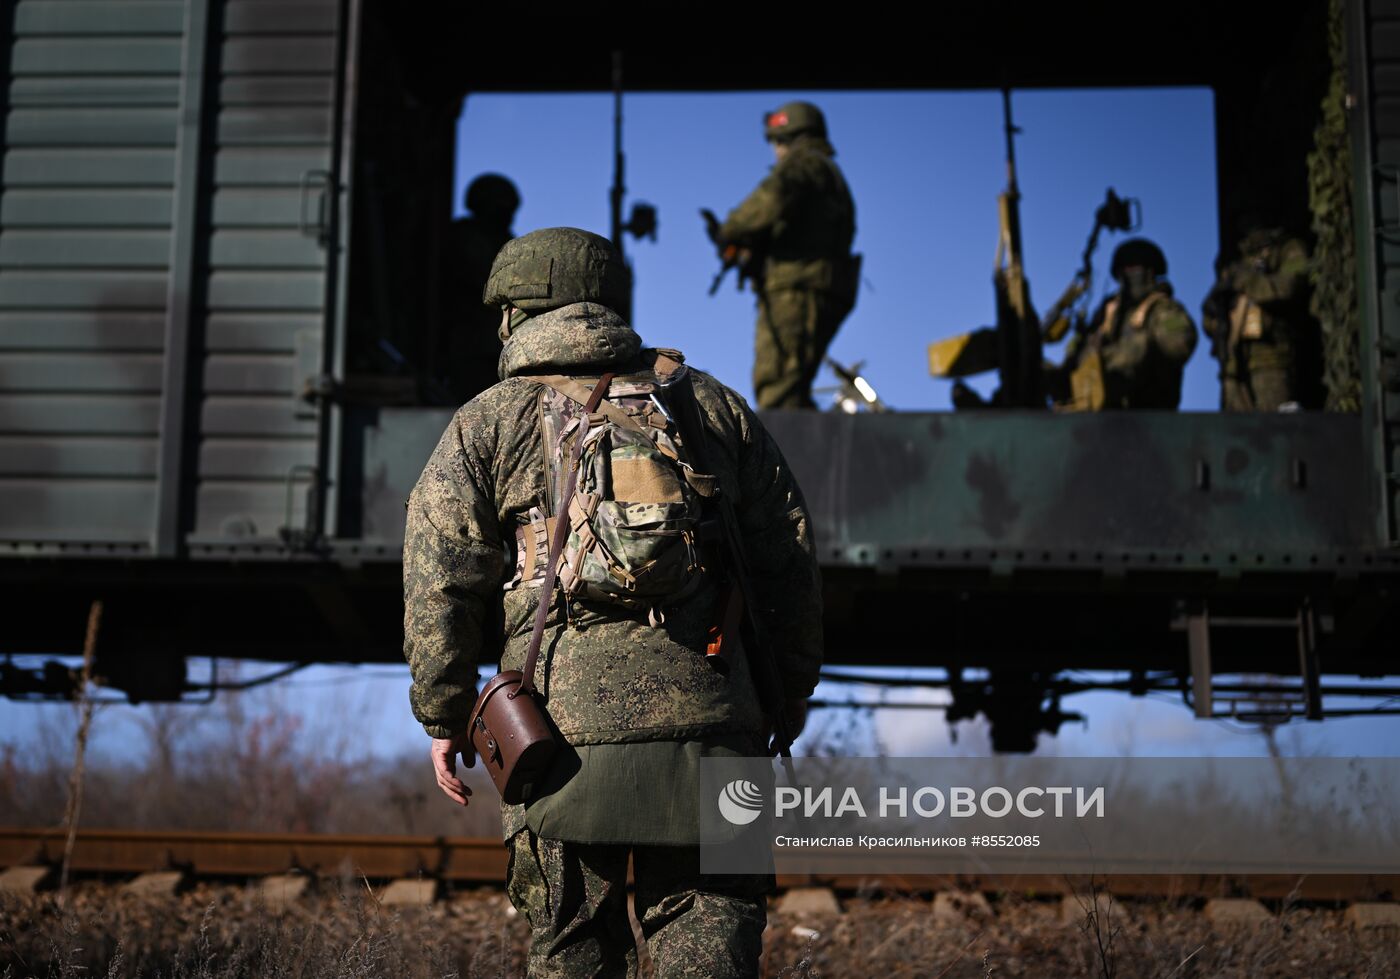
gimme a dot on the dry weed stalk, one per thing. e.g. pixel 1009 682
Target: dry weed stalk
pixel 1103 934
pixel 75 781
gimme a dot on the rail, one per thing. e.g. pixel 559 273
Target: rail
pixel 466 860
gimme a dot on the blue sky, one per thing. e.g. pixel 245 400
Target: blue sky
pixel 377 698
pixel 925 169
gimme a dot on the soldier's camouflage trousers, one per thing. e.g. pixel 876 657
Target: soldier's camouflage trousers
pixel 1261 389
pixel 574 895
pixel 795 326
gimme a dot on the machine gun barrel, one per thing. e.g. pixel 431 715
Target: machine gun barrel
pixel 619 185
pixel 1011 197
pixel 1018 328
pixel 855 391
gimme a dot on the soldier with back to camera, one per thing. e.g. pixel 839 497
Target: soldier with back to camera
pixel 624 671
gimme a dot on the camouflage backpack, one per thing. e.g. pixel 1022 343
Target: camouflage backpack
pixel 634 520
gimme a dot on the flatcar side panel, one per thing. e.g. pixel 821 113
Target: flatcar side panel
pixel 92 105
pixel 1180 493
pixel 269 254
pixel 1176 491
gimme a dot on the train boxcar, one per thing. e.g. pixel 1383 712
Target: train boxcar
pixel 220 247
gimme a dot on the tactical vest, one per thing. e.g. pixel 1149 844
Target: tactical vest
pixel 1246 320
pixel 1086 381
pixel 1137 319
pixel 635 518
pixel 811 246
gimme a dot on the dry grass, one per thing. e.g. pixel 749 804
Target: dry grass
pixel 220 931
pixel 223 932
pixel 900 938
pixel 244 764
pixel 248 765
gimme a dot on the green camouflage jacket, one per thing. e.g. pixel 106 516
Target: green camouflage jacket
pixel 801 216
pixel 608 677
pixel 1269 286
pixel 1144 350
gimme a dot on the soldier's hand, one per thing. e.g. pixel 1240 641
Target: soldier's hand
pixel 1218 301
pixel 795 717
pixel 444 753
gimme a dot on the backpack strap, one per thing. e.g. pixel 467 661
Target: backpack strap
pixel 1138 319
pixel 578 391
pixel 668 365
pixel 556 547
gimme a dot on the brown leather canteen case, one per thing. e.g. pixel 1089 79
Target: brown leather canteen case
pixel 511 735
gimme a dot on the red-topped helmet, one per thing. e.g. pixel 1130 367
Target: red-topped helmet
pixel 793 119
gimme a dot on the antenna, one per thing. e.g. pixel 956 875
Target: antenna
pixel 619 188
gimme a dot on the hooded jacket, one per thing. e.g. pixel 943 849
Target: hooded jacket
pixel 606 674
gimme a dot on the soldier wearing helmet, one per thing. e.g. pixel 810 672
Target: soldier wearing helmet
pixel 802 219
pixel 472 244
pixel 633 696
pixel 1257 315
pixel 1136 346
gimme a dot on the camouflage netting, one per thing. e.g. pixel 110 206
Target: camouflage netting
pixel 1334 301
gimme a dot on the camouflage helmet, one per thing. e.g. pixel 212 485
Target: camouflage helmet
pixel 1138 251
pixel 793 119
pixel 492 193
pixel 554 267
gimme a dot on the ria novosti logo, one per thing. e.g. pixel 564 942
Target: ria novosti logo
pixel 740 802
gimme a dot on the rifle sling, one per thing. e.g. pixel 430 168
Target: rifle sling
pixel 556 546
pixel 761 663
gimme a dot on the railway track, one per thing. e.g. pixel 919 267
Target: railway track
pixel 476 861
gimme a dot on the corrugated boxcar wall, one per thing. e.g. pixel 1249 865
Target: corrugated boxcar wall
pixel 1375 82
pixel 84 254
pixel 268 266
pixel 121 279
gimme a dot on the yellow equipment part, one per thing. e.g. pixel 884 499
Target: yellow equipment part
pixel 1086 384
pixel 1058 321
pixel 1057 329
pixel 964 354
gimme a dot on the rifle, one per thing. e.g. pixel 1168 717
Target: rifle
pixel 1217 306
pixel 763 666
pixel 731 256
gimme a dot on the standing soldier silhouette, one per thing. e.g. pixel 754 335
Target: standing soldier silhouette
pixel 472 243
pixel 801 220
pixel 1257 314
